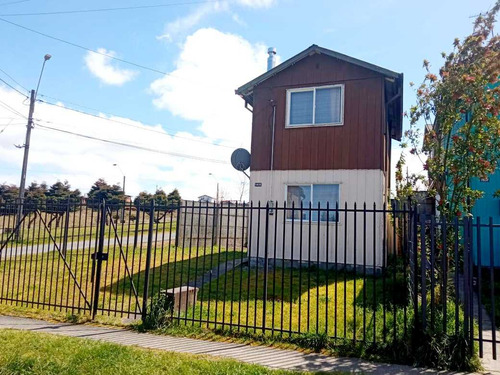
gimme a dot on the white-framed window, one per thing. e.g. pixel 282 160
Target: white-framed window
pixel 312 194
pixel 315 106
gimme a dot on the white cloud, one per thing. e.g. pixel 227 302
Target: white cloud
pixel 100 66
pixel 59 156
pixel 187 22
pixel 210 67
pixel 257 3
pixel 184 24
pixel 236 18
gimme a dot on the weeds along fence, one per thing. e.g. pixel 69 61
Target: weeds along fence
pixel 359 273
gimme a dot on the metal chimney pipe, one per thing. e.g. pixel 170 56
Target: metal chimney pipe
pixel 271 60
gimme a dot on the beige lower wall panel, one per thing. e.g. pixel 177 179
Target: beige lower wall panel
pixel 354 239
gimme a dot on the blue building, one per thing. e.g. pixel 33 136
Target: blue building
pixel 487 207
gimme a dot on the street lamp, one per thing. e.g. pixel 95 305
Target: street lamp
pixel 123 188
pixel 26 146
pixel 217 196
pixel 45 59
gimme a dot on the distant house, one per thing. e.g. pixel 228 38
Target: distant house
pixel 205 199
pixel 322 128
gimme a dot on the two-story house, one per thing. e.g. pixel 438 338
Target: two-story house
pixel 322 126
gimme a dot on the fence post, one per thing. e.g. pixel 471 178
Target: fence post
pixel 467 290
pixel 215 224
pixel 148 261
pixel 136 229
pixel 471 289
pixel 66 228
pixel 266 269
pixel 177 226
pixel 414 246
pixel 98 256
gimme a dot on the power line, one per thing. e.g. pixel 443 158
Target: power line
pixel 13 88
pixel 212 87
pixel 164 133
pixel 87 49
pixel 10 123
pixel 13 80
pixel 10 109
pixel 106 9
pixel 13 2
pixel 138 147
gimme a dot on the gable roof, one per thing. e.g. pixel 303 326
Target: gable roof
pixel 247 88
pixel 395 101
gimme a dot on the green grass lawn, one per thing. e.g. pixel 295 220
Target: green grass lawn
pixel 43 354
pixel 45 278
pixel 313 301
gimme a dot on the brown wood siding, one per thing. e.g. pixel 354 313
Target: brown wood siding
pixel 358 144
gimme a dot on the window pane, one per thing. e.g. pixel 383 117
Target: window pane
pixel 295 195
pixel 324 194
pixel 328 105
pixel 301 107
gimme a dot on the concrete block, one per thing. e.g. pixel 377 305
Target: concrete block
pixel 182 297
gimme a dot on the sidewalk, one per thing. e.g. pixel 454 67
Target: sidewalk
pixel 270 357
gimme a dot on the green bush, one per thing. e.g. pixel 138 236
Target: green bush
pixel 159 311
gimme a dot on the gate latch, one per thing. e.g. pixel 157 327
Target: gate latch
pixel 99 256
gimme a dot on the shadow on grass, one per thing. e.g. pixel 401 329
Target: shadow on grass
pixel 180 269
pixel 290 284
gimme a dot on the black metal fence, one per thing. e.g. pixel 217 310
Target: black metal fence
pixel 454 267
pixel 359 273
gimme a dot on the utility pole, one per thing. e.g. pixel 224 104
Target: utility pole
pixel 26 146
pixel 25 159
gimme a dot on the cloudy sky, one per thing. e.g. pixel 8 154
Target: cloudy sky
pixel 163 78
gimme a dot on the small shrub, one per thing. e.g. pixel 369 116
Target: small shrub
pixel 159 311
pixel 131 217
pixel 445 351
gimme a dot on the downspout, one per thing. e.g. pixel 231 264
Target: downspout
pixel 273 127
pixel 273 123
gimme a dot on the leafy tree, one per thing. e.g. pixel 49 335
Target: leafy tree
pixel 61 192
pixel 35 194
pixel 142 198
pixel 163 202
pixel 113 194
pixel 8 193
pixel 460 108
pixel 174 198
pixel 161 198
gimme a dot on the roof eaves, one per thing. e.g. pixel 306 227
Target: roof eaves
pixel 246 89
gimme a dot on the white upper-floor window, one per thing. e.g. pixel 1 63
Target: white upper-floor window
pixel 315 106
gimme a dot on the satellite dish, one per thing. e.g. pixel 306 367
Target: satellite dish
pixel 240 159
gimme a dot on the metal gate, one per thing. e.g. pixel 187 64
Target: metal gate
pixel 78 258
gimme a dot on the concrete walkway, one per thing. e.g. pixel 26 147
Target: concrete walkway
pixel 270 357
